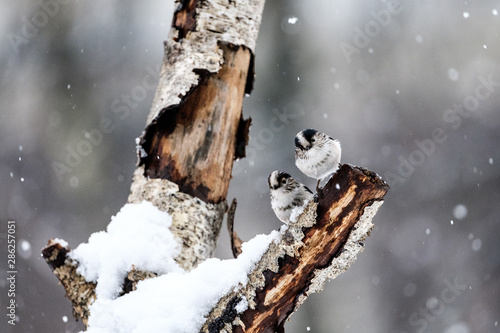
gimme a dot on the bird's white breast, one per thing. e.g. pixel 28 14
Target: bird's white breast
pixel 319 162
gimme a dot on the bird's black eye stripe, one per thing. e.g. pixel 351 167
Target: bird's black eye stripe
pixel 297 143
pixel 283 177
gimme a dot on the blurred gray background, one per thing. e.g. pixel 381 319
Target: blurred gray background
pixel 410 88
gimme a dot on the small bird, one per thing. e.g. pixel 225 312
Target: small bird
pixel 316 154
pixel 287 195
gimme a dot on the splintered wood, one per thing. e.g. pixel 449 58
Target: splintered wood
pixel 193 144
pixel 322 244
pixel 195 129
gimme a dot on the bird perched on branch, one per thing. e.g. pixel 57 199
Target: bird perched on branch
pixel 316 154
pixel 288 197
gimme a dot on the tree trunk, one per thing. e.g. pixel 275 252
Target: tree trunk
pixel 194 132
pixel 190 142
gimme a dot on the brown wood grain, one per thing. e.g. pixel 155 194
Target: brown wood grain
pixel 340 206
pixel 193 144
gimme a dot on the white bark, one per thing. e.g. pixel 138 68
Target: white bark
pixel 192 219
pixel 235 22
pixel 195 223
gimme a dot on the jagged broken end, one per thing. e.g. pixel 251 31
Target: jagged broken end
pixel 80 292
pixel 323 243
pixel 354 245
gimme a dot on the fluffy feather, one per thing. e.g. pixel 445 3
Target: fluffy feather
pixel 286 195
pixel 316 154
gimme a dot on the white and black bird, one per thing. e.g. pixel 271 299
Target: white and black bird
pixel 316 154
pixel 287 195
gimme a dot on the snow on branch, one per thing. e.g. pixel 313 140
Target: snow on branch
pixel 255 292
pixel 172 299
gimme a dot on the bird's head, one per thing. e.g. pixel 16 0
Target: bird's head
pixel 304 140
pixel 278 179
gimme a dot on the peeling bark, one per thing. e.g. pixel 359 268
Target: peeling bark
pixel 242 137
pixel 193 143
pixel 233 236
pixel 194 131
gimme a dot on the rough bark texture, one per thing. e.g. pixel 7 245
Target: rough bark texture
pixel 80 292
pixel 195 223
pixel 195 128
pixel 194 131
pixel 322 244
pixel 193 144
